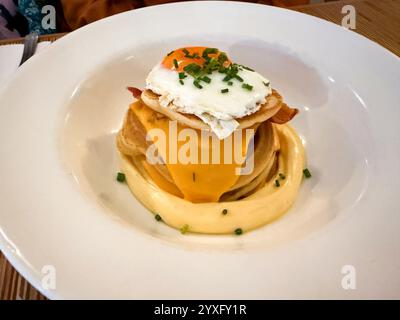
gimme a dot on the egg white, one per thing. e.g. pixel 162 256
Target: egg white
pixel 218 110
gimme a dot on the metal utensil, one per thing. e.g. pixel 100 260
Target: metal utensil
pixel 30 44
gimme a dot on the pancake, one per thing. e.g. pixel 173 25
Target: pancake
pixel 266 111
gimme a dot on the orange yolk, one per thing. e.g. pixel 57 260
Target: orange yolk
pixel 183 60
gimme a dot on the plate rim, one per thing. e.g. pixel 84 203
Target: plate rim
pixel 6 245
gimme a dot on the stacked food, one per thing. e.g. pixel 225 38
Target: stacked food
pixel 206 134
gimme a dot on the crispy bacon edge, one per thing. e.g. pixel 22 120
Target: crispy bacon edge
pixel 135 92
pixel 285 114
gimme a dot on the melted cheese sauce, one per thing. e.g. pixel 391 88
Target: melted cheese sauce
pixel 261 207
pixel 195 182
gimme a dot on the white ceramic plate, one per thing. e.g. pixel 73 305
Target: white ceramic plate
pixel 61 206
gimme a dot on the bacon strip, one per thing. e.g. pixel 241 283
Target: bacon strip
pixel 284 114
pixel 135 92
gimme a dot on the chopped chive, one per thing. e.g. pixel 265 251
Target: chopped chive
pixel 206 79
pixel 197 84
pixel 222 57
pixel 266 83
pixel 189 67
pixel 120 177
pixel 170 53
pixel 247 86
pixel 222 69
pixel 185 229
pixel 225 211
pixel 181 82
pixel 247 68
pixel 192 68
pixel 214 64
pixel 158 217
pixel 238 78
pixel 238 231
pixel 277 183
pixel 194 176
pixel 211 64
pixel 192 56
pixel 282 176
pixel 307 173
pixel 208 51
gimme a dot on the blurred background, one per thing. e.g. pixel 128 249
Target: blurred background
pixel 20 17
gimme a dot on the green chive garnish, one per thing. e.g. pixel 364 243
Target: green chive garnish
pixel 307 173
pixel 197 84
pixel 181 82
pixel 282 176
pixel 222 57
pixel 193 69
pixel 185 229
pixel 212 64
pixel 238 231
pixel 120 177
pixel 193 56
pixel 239 78
pixel 247 86
pixel 225 211
pixel 170 53
pixel 158 217
pixel 208 51
pixel 222 69
pixel 277 183
pixel 247 68
pixel 206 79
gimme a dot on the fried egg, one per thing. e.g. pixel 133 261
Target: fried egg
pixel 204 82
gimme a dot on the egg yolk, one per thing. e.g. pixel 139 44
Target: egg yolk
pixel 178 59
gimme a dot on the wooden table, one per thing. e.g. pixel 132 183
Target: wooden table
pixel 377 20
